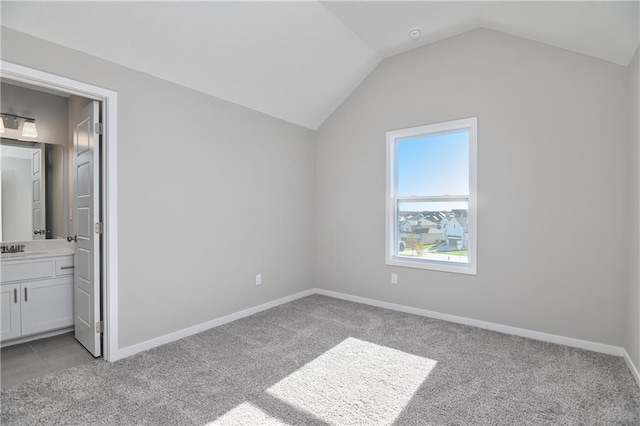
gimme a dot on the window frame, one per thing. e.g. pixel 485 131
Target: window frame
pixel 392 200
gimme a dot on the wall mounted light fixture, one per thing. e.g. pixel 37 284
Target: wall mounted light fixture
pixel 10 121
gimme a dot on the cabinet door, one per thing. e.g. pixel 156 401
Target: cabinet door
pixel 46 305
pixel 10 311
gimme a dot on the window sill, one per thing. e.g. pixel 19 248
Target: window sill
pixel 468 269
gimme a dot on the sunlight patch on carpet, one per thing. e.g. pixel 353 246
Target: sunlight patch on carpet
pixel 355 382
pixel 246 414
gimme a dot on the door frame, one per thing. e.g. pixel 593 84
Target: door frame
pixel 109 188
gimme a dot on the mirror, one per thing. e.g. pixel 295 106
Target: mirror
pixel 32 191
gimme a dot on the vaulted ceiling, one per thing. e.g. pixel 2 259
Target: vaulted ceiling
pixel 298 61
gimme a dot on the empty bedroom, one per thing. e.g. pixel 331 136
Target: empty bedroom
pixel 320 213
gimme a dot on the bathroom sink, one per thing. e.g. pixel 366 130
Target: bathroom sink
pixel 21 255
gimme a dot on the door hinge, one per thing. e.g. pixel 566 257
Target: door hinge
pixel 99 228
pixel 100 327
pixel 98 128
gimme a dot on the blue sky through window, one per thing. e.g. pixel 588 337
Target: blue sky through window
pixel 434 164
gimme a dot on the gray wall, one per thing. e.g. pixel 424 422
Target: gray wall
pixel 212 193
pixel 632 343
pixel 50 112
pixel 552 160
pixel 199 179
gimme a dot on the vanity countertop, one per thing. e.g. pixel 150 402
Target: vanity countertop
pixel 36 254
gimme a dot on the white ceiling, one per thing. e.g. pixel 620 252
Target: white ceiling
pixel 299 60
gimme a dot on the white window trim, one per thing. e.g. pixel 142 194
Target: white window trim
pixel 391 216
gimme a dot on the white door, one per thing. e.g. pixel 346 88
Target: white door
pixel 38 219
pixel 86 282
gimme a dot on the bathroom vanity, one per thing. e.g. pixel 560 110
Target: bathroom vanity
pixel 37 294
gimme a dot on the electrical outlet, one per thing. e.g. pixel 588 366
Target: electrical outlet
pixel 394 278
pixel 258 279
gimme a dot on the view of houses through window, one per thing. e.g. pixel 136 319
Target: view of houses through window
pixel 436 234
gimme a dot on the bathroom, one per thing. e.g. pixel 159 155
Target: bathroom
pixel 43 307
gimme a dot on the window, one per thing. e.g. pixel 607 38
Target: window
pixel 431 197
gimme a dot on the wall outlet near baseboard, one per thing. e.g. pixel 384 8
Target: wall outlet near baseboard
pixel 394 278
pixel 258 279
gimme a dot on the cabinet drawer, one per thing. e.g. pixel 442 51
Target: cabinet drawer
pixel 27 271
pixel 64 267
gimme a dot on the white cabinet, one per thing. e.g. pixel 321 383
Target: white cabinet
pixel 37 296
pixel 10 311
pixel 46 305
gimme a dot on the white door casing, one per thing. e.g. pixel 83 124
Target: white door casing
pixel 109 104
pixel 38 202
pixel 86 282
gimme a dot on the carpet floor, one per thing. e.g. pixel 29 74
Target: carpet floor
pixel 324 361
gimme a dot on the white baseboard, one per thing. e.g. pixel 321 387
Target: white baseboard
pixel 180 334
pixel 631 366
pixel 552 338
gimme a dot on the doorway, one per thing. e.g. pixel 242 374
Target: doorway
pixel 106 176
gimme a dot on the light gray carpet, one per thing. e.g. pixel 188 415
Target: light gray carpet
pixel 319 361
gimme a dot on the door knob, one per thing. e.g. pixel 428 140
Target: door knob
pixel 39 232
pixel 74 239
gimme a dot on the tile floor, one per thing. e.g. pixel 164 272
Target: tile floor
pixel 39 357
